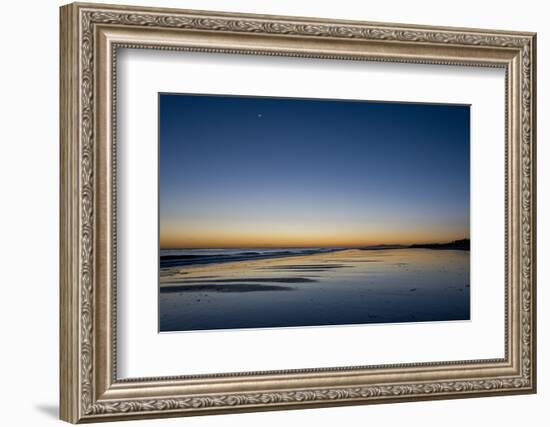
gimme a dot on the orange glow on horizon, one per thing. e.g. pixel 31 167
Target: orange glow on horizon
pixel 197 237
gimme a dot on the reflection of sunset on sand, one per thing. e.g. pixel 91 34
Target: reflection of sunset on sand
pixel 342 287
pixel 238 268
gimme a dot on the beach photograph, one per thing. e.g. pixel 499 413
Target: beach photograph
pixel 294 212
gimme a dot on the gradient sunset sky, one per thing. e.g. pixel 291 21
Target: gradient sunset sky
pixel 275 172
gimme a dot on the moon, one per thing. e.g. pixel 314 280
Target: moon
pixel 259 116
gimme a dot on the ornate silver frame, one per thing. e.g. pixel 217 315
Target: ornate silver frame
pixel 90 36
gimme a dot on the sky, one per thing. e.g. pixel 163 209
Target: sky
pixel 275 172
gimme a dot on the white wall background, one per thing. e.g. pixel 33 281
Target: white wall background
pixel 29 170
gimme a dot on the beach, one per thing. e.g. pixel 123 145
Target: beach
pixel 235 289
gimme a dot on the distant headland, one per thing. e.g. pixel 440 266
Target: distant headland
pixel 463 245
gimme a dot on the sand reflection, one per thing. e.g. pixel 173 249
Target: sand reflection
pixel 342 287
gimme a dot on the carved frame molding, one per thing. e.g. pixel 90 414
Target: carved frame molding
pixel 90 36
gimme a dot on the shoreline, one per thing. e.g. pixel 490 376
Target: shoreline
pixel 207 271
pixel 212 269
pixel 187 261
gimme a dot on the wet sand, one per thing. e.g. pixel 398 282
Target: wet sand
pixel 342 287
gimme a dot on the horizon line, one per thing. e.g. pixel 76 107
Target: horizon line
pixel 316 246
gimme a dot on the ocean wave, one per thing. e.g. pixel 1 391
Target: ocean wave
pixel 185 257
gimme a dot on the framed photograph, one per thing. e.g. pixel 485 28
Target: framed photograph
pixel 266 212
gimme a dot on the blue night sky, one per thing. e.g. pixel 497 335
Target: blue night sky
pixel 260 172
